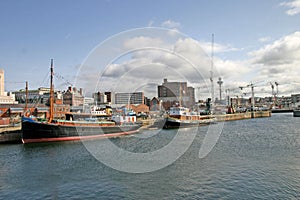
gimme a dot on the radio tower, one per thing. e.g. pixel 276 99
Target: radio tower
pixel 220 82
pixel 211 72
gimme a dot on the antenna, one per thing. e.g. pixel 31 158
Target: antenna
pixel 220 82
pixel 252 99
pixel 211 71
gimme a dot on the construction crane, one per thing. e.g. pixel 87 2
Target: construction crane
pixel 252 85
pixel 272 86
pixel 276 83
pixel 227 91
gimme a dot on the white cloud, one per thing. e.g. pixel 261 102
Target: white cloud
pixel 150 59
pixel 150 23
pixel 183 60
pixel 232 69
pixel 294 7
pixel 218 48
pixel 281 52
pixel 278 61
pixel 264 39
pixel 171 24
pixel 142 42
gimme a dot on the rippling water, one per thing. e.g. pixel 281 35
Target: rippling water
pixel 253 159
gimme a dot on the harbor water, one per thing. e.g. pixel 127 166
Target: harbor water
pixel 252 159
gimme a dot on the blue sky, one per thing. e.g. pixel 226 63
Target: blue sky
pixel 246 34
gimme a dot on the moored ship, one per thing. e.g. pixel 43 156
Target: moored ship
pixel 34 130
pixel 180 117
pixel 63 130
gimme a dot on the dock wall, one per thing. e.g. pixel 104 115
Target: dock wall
pixel 10 134
pixel 240 116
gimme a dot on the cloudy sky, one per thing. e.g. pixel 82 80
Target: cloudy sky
pixel 131 45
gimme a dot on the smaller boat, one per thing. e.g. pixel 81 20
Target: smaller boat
pixel 180 117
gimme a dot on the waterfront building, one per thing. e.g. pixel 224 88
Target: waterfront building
pixel 129 98
pixel 176 92
pixel 155 104
pixel 147 101
pixel 110 97
pixel 73 97
pixel 103 98
pixel 295 98
pixel 138 109
pixel 60 110
pixel 100 98
pixel 39 96
pixel 88 101
pixel 5 97
pixel 8 98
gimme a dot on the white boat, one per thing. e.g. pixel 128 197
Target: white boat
pixel 181 117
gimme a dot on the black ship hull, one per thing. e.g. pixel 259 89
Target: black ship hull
pixel 46 132
pixel 171 123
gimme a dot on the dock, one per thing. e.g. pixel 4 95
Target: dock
pixel 10 134
pixel 244 115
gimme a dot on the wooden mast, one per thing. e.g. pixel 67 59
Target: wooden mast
pixel 51 110
pixel 26 98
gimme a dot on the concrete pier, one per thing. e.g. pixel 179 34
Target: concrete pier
pixel 245 115
pixel 10 134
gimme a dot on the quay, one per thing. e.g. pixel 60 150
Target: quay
pixel 10 134
pixel 158 123
pixel 282 110
pixel 244 115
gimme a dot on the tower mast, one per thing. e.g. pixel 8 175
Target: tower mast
pixel 26 99
pixel 212 73
pixel 220 82
pixel 51 110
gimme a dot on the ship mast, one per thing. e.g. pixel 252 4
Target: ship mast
pixel 26 98
pixel 51 110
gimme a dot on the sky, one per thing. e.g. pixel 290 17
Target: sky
pixel 131 45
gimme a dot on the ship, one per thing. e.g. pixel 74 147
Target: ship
pixel 181 117
pixel 52 130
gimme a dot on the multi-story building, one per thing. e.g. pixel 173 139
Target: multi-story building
pixel 155 104
pixel 5 98
pixel 295 98
pixel 176 92
pixel 110 97
pixel 39 96
pixel 73 97
pixel 129 98
pixel 1 82
pixel 103 98
pixel 100 98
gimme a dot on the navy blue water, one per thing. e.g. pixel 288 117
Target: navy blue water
pixel 253 159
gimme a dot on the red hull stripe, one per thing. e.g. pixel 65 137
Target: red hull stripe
pixel 89 137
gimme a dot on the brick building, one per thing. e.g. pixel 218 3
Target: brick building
pixel 176 92
pixel 73 97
